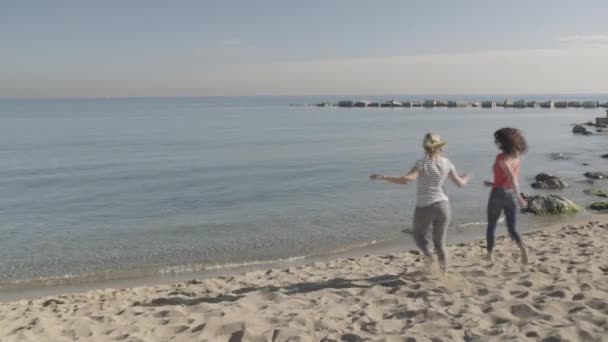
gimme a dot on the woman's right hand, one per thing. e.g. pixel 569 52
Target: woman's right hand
pixel 522 202
pixel 376 176
pixel 488 184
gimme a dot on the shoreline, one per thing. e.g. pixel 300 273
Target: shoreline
pixel 34 290
pixel 560 295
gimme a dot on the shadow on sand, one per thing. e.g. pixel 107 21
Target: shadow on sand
pixel 392 281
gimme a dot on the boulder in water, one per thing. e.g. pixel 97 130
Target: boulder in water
pixel 550 205
pixel 580 129
pixel 346 103
pixel 596 175
pixel 547 181
pixel 541 177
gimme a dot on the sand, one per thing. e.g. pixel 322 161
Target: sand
pixel 562 295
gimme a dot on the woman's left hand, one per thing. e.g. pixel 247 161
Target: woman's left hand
pixel 376 176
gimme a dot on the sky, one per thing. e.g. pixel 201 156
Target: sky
pixel 83 48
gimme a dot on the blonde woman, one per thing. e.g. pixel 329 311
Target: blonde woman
pixel 432 204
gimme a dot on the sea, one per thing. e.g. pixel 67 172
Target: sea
pixel 124 188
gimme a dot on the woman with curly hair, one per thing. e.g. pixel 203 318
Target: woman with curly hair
pixel 505 193
pixel 432 206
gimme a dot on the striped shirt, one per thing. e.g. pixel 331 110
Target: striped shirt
pixel 431 175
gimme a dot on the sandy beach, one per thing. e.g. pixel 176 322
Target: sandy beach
pixel 562 295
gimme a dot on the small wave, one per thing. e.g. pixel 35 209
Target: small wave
pixel 8 228
pixel 67 276
pixel 351 247
pixel 190 268
pixel 92 277
pixel 461 226
pixel 56 280
pixel 472 224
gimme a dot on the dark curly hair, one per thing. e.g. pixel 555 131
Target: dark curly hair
pixel 511 141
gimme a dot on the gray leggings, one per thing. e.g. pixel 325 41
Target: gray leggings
pixel 438 216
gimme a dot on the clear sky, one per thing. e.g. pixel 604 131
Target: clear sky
pixel 83 48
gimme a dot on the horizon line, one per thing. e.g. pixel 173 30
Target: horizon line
pixel 42 98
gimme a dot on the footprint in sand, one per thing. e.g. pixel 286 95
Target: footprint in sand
pixel 237 336
pixel 526 283
pixel 599 305
pixel 161 314
pixel 524 311
pixel 121 337
pixel 482 291
pixel 351 338
pixel 170 330
pixel 476 273
pixel 576 309
pixel 520 294
pixel 556 294
pixel 199 328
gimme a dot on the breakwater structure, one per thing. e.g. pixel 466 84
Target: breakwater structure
pixel 602 121
pixel 432 103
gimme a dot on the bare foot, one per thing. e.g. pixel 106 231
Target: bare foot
pixel 490 257
pixel 524 255
pixel 428 261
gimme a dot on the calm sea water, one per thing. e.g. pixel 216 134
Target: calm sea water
pixel 120 188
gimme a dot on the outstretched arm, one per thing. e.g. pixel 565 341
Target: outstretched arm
pixel 411 176
pixel 459 180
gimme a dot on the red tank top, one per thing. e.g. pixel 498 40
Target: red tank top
pixel 501 177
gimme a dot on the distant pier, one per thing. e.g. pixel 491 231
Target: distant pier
pixel 602 120
pixel 433 103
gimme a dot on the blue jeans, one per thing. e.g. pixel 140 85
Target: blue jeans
pixel 501 200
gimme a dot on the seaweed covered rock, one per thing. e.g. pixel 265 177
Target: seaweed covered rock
pixel 547 181
pixel 550 205
pixel 599 206
pixel 596 192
